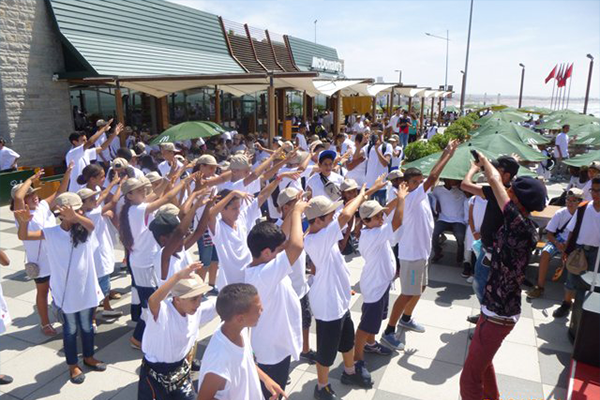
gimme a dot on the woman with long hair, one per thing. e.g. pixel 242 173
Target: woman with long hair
pixel 24 195
pixel 75 290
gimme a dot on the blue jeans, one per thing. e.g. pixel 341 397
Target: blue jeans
pixel 458 229
pixel 144 293
pixel 380 196
pixel 79 321
pixel 480 277
pixel 206 254
pixel 404 140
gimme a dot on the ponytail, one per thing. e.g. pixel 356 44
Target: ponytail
pixel 90 171
pixel 124 227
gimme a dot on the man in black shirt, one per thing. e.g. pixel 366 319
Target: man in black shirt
pixel 492 219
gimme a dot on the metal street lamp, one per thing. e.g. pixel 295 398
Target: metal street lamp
pixel 316 30
pixel 464 82
pixel 522 79
pixel 447 39
pixel 587 90
pixel 399 71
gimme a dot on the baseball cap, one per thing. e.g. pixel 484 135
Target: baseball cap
pixel 575 192
pixel 348 184
pixel 145 181
pixel 286 195
pixel 168 208
pixel 206 159
pixel 86 193
pixel 327 154
pixel 153 176
pixel 239 162
pixel 224 166
pixel 298 158
pixel 530 192
pixel 131 184
pixel 314 144
pixel 595 165
pixel 395 174
pixel 189 288
pixel 319 206
pixel 68 199
pixel 100 123
pixel 14 189
pixel 119 163
pixel 163 224
pixel 508 163
pixel 369 209
pixel 167 146
pixel 394 138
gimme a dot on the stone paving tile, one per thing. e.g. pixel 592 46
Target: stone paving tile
pixel 554 392
pixel 554 367
pixel 511 387
pixel 518 360
pixel 383 395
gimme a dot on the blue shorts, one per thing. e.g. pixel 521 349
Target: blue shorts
pixel 104 282
pixel 374 313
pixel 551 249
pixel 207 254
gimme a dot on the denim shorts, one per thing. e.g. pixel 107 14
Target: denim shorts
pixel 104 283
pixel 551 249
pixel 207 254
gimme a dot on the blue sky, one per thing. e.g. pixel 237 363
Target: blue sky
pixel 374 38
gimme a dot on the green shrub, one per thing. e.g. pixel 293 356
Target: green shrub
pixel 466 122
pixel 474 116
pixel 419 149
pixel 456 131
pixel 440 140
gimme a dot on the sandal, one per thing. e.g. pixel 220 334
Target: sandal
pixel 114 295
pixel 48 330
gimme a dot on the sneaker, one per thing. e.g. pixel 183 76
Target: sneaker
pixel 326 393
pixel 135 344
pixel 535 292
pixel 112 313
pixel 377 348
pixel 473 318
pixel 360 377
pixel 562 311
pixel 310 357
pixel 411 325
pixel 470 279
pixel 466 270
pixel 392 341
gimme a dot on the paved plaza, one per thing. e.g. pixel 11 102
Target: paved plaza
pixel 531 364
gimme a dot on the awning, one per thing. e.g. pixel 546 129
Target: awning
pixel 347 87
pixel 409 92
pixel 377 88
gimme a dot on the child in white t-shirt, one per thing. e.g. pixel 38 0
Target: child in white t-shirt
pixel 330 292
pixel 228 369
pixel 269 272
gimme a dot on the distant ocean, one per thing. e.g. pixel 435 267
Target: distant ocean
pixel 575 104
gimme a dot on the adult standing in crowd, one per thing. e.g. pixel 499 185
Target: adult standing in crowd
pixel 8 157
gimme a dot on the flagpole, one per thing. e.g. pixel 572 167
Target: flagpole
pixel 569 95
pixel 565 87
pixel 552 98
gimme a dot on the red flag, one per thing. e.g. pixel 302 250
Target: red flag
pixel 559 76
pixel 552 74
pixel 568 73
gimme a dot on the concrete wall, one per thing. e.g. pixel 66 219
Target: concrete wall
pixel 35 112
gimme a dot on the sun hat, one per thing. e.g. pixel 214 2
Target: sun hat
pixel 319 206
pixel 298 158
pixel 145 180
pixel 369 209
pixel 595 165
pixel 189 288
pixel 68 199
pixel 395 174
pixel 153 176
pixel 239 162
pixel 224 166
pixel 86 193
pixel 286 195
pixel 206 159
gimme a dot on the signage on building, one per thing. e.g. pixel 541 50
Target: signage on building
pixel 322 64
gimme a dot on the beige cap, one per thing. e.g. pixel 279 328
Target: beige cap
pixel 168 208
pixel 348 184
pixel 188 288
pixel 224 166
pixel 239 162
pixel 395 174
pixel 101 123
pixel 319 206
pixel 131 184
pixel 298 158
pixel 314 144
pixel 369 209
pixel 314 138
pixel 575 192
pixel 287 146
pixel 86 193
pixel 180 158
pixel 595 165
pixel 167 146
pixel 206 159
pixel 145 181
pixel 119 163
pixel 395 138
pixel 68 199
pixel 286 195
pixel 14 189
pixel 153 176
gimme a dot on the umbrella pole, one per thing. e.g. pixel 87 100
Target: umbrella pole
pixel 595 278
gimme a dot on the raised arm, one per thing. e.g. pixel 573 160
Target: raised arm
pixel 90 142
pixel 467 183
pixel 254 175
pixel 437 169
pixel 110 138
pixel 267 191
pixel 74 217
pixel 23 217
pixel 163 290
pixel 295 244
pixel 495 181
pixel 202 224
pixel 214 211
pixel 399 212
pixel 167 197
pixel 351 208
pixel 19 200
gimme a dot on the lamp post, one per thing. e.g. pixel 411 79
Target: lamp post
pixel 522 80
pixel 587 90
pixel 447 39
pixel 316 31
pixel 399 71
pixel 464 81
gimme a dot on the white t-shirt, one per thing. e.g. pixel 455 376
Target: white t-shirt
pixel 107 154
pixel 171 336
pixel 144 247
pixel 7 158
pixel 375 245
pixel 35 250
pixel 330 291
pixel 431 132
pixel 348 144
pixel 298 274
pixel 287 182
pixel 165 168
pixel 587 193
pixel 359 172
pixel 316 184
pixel 5 319
pixel 589 234
pixel 396 160
pixel 394 123
pixel 81 158
pixel 452 204
pixel 302 143
pixel 562 142
pixel 281 316
pixel 417 227
pixel 374 167
pixel 234 364
pixel 252 188
pixel 81 290
pixel 560 219
pixel 177 262
pixel 232 246
pixel 104 250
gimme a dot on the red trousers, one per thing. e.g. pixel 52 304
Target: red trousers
pixel 478 378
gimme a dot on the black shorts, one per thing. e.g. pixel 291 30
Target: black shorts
pixel 334 336
pixel 42 280
pixel 374 313
pixel 306 312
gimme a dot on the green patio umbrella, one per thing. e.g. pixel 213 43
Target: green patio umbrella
pixel 510 130
pixel 459 164
pixel 583 160
pixel 535 110
pixel 506 116
pixel 218 127
pixel 500 144
pixel 186 130
pixel 556 121
pixel 451 109
pixel 588 134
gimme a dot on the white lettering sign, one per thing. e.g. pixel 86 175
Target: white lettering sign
pixel 327 65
